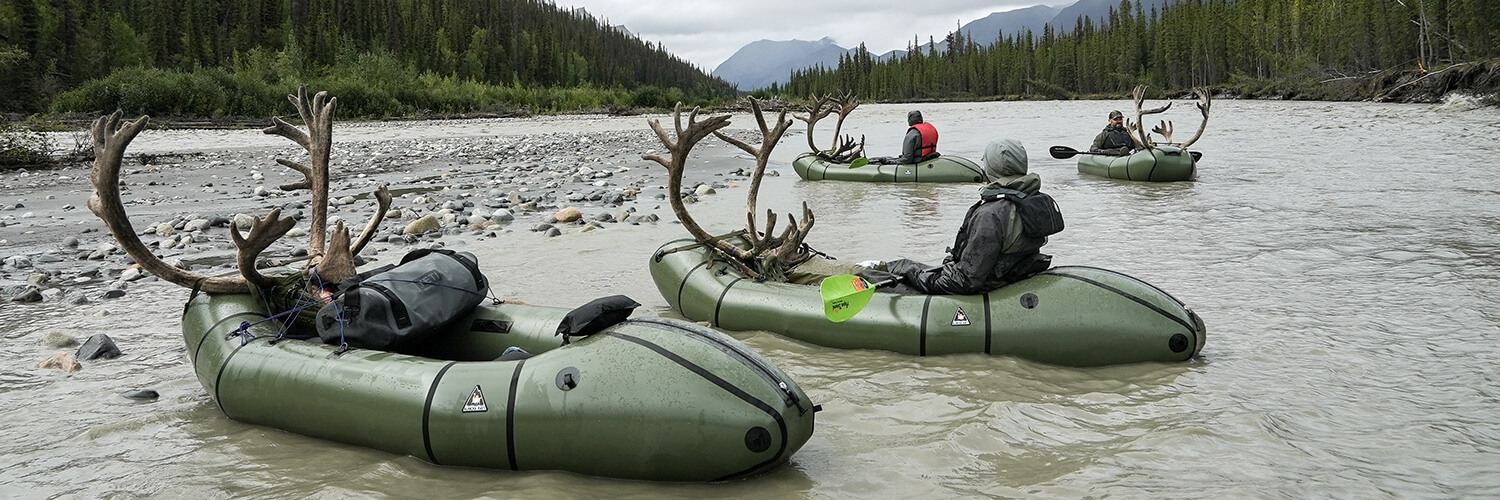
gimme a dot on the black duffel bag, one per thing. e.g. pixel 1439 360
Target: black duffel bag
pixel 400 306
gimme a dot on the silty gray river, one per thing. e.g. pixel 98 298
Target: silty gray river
pixel 1343 256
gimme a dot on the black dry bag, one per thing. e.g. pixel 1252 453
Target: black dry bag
pixel 398 307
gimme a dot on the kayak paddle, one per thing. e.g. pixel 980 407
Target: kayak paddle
pixel 1064 152
pixel 846 295
pixel 859 162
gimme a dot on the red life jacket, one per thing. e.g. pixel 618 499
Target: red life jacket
pixel 929 138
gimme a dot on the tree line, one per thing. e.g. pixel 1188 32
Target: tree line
pixel 1266 47
pixel 51 47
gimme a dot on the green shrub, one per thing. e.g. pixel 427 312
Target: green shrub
pixel 367 85
pixel 20 147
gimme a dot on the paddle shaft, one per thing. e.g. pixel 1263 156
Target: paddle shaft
pixel 1064 152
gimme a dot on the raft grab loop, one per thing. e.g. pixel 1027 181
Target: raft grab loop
pixel 243 332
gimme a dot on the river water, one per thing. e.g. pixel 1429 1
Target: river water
pixel 1342 255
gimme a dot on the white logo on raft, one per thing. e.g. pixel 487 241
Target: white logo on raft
pixel 960 319
pixel 475 402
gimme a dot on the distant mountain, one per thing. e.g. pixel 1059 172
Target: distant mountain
pixel 764 62
pixel 759 64
pixel 1098 10
pixel 989 29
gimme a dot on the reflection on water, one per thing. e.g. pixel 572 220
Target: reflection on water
pixel 1348 281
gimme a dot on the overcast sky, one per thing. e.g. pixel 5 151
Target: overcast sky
pixel 706 32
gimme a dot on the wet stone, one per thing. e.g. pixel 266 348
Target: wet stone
pixel 30 296
pixel 59 340
pixel 141 395
pixel 98 346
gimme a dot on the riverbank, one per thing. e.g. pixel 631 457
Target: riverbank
pixel 482 178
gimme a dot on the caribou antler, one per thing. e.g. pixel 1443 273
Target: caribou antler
pixel 334 261
pixel 1137 129
pixel 111 137
pixel 769 138
pixel 815 113
pixel 1165 130
pixel 317 113
pixel 678 149
pixel 786 249
pixel 262 234
pixel 1204 101
pixel 843 149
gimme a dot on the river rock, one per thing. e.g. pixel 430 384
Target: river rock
pixel 142 395
pixel 423 225
pixel 62 361
pixel 131 273
pixel 31 295
pixel 59 340
pixel 98 346
pixel 244 221
pixel 569 214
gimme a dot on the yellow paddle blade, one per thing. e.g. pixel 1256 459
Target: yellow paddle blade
pixel 844 296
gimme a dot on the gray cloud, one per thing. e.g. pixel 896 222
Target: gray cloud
pixel 706 32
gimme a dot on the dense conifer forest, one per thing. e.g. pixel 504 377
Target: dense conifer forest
pixel 381 57
pixel 406 58
pixel 1307 49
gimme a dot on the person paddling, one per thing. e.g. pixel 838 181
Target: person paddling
pixel 1114 139
pixel 1001 235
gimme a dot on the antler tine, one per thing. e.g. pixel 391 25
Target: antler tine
pixel 791 239
pixel 679 148
pixel 263 232
pixel 1165 129
pixel 382 206
pixel 846 104
pixel 317 114
pixel 111 137
pixel 815 113
pixel 769 139
pixel 751 235
pixel 764 239
pixel 1204 102
pixel 1137 129
pixel 338 265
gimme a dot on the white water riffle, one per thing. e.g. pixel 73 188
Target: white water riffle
pixel 1343 256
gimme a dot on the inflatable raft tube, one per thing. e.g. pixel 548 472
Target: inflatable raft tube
pixel 653 399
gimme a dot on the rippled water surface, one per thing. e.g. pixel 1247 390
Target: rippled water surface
pixel 1343 256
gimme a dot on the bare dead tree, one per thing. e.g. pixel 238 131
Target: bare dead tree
pixel 332 259
pixel 765 249
pixel 842 149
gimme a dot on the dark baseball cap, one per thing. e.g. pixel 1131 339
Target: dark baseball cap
pixel 1116 114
